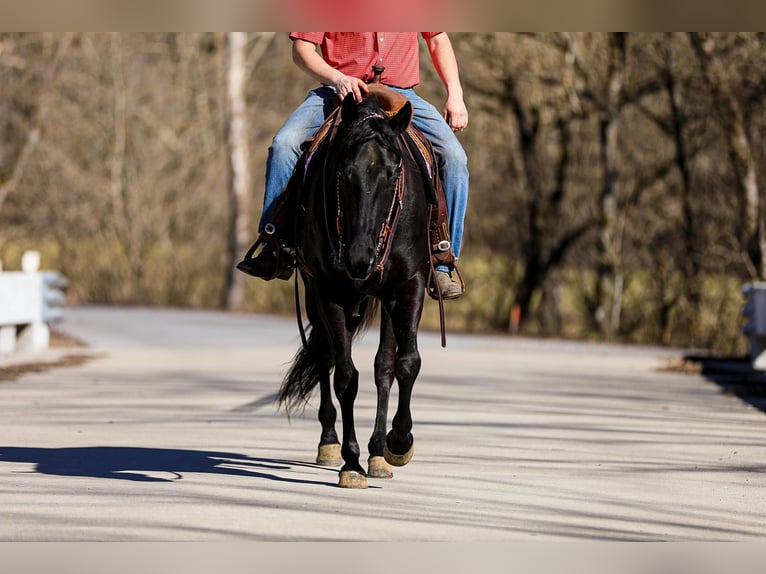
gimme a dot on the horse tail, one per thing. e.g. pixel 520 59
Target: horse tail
pixel 315 358
pixel 304 373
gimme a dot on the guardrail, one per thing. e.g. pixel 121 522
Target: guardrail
pixel 755 327
pixel 30 300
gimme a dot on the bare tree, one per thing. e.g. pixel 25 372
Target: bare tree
pixel 610 283
pixel 240 178
pixel 53 53
pixel 538 95
pixel 732 118
pixel 7 186
pixel 239 66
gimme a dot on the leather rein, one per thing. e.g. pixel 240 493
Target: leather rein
pixel 389 225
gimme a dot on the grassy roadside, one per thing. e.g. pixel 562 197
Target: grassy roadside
pixel 72 354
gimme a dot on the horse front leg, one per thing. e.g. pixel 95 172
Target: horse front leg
pixel 405 314
pixel 346 386
pixel 385 360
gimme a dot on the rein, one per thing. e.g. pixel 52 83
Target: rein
pixel 388 228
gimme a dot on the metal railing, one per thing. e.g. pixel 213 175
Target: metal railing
pixel 754 312
pixel 30 300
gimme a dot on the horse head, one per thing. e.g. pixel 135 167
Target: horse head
pixel 369 181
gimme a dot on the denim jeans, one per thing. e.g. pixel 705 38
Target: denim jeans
pixel 306 119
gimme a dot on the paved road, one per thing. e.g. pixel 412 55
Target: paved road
pixel 171 434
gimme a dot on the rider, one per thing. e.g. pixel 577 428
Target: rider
pixel 343 67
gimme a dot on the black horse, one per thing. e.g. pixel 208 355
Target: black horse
pixel 361 239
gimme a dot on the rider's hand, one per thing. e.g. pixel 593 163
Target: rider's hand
pixel 456 113
pixel 349 84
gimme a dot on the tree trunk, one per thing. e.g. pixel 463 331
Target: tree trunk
pixel 240 177
pixel 730 112
pixel 6 187
pixel 692 288
pixel 609 282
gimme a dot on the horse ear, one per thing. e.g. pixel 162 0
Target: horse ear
pixel 402 118
pixel 348 111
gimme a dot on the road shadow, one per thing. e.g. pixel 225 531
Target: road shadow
pixel 734 375
pixel 141 464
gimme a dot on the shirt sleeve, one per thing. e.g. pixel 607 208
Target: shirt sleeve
pixel 429 35
pixel 313 37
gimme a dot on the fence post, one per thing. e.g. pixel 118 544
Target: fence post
pixel 35 335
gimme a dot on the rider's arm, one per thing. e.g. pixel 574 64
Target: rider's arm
pixel 444 60
pixel 307 58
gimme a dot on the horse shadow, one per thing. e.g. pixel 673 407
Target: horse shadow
pixel 735 376
pixel 143 464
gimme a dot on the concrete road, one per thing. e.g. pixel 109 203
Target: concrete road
pixel 170 433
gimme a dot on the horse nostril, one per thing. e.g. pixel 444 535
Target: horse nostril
pixel 360 262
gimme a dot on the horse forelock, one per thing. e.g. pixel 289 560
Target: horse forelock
pixel 375 131
pixel 371 123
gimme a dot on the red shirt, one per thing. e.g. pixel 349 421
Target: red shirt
pixel 354 54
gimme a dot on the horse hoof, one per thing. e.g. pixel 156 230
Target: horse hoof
pixel 377 467
pixel 352 479
pixel 329 455
pixel 398 459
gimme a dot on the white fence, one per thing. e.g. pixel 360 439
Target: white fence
pixel 29 301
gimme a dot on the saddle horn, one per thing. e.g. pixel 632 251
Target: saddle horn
pixel 377 72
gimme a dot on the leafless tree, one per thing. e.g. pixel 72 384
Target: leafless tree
pixel 731 116
pixel 240 179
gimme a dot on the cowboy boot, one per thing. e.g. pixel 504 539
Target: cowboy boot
pixel 450 289
pixel 270 263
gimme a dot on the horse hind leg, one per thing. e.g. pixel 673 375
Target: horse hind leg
pixel 406 318
pixel 385 359
pixel 328 451
pixel 400 444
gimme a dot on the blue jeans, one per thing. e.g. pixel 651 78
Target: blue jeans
pixel 306 119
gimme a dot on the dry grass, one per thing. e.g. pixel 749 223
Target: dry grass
pixel 14 371
pixel 681 365
pixel 58 340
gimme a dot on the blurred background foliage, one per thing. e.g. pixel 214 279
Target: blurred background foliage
pixel 616 178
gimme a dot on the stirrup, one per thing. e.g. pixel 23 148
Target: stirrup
pixel 284 264
pixel 433 289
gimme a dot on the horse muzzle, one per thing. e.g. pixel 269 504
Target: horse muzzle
pixel 359 261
